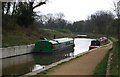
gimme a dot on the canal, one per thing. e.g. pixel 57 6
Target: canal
pixel 27 63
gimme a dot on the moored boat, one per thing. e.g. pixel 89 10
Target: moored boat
pixel 49 46
pixel 94 44
pixel 98 42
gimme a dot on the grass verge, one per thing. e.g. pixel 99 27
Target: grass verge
pixel 101 67
pixel 115 64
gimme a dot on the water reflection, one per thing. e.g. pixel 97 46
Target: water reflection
pixel 17 65
pixel 37 67
pixel 31 62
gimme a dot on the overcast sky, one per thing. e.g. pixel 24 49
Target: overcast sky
pixel 75 10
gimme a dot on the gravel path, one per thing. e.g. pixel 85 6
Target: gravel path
pixel 84 65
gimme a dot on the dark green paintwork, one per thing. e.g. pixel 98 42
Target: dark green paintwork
pixel 48 46
pixel 43 46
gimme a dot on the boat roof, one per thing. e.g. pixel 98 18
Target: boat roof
pixel 53 42
pixel 61 40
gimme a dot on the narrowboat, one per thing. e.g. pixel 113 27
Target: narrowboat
pixel 94 44
pixel 49 46
pixel 104 40
pixel 98 42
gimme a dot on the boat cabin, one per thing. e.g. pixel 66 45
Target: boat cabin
pixel 49 46
pixel 94 44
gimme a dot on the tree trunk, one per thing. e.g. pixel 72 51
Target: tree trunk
pixel 8 8
pixel 3 6
pixel 13 12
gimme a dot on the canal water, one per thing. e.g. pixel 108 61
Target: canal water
pixel 31 62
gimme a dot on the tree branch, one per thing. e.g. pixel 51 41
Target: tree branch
pixel 41 3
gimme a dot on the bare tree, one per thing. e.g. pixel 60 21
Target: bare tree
pixel 25 13
pixel 59 15
pixel 117 8
pixel 117 11
pixel 100 22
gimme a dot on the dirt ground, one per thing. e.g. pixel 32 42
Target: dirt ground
pixel 84 65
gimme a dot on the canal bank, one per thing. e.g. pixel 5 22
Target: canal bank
pixel 87 63
pixel 16 50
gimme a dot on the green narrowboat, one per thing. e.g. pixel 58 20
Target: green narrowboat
pixel 49 46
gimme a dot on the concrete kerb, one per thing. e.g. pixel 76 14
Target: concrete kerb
pixel 16 50
pixel 61 61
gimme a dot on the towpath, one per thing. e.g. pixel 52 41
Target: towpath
pixel 84 65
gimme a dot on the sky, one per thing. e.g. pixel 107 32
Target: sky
pixel 75 10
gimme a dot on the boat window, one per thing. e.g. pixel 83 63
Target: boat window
pixel 95 43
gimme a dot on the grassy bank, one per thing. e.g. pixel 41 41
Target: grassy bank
pixel 24 36
pixel 115 64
